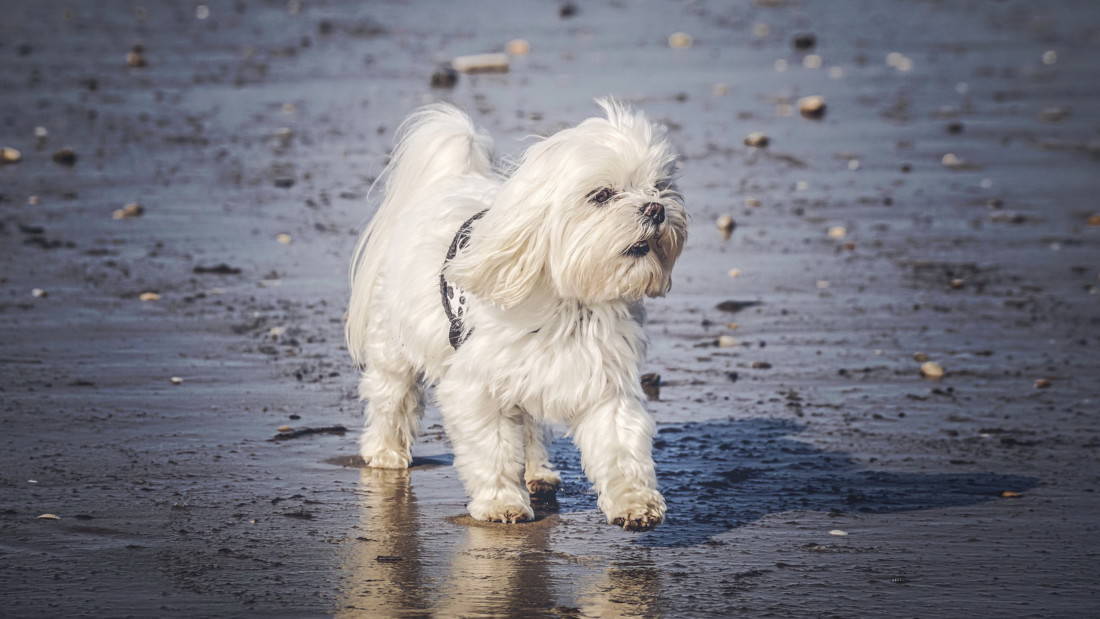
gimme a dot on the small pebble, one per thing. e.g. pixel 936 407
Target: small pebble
pixel 176 380
pixel 812 106
pixel 136 56
pixel 753 202
pixel 838 533
pixel 444 77
pixel 957 283
pixel 680 40
pixel 899 61
pixel 65 156
pixel 518 47
pixel 951 160
pixel 811 61
pixel 1094 220
pixel 931 369
pixel 734 273
pixel 283 238
pixel 1050 57
pixel 1010 494
pixel 920 357
pixel 720 89
pixel 761 365
pixel 41 133
pixel 1042 383
pixel 10 155
pixel 651 385
pixel 202 11
pixel 284 429
pixel 567 10
pixel 757 140
pixel 49 517
pixel 837 232
pixel 149 296
pixel 38 293
pixel 803 41
pixel 725 225
pixel 726 341
pixel 1054 114
pixel 129 211
pixel 732 325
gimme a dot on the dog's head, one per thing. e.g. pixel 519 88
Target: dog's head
pixel 590 213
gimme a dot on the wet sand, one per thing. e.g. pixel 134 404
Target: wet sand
pixel 269 118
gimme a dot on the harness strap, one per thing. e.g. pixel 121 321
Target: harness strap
pixel 454 298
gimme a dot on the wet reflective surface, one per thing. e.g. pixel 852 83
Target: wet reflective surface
pixel 857 243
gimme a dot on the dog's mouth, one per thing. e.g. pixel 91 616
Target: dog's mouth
pixel 637 250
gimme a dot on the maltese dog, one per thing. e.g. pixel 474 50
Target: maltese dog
pixel 518 295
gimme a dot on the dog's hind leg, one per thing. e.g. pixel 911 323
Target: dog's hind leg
pixel 541 479
pixel 488 444
pixel 394 407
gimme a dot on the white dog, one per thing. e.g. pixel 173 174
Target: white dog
pixel 518 295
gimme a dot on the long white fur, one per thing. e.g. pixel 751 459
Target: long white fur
pixel 554 305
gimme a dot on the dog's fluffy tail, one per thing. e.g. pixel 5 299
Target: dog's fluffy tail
pixel 435 142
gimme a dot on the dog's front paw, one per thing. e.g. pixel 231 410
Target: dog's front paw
pixel 501 510
pixel 640 513
pixel 386 459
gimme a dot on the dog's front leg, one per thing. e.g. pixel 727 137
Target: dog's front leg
pixel 489 455
pixel 616 444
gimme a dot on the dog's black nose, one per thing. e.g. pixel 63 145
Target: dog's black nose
pixel 654 212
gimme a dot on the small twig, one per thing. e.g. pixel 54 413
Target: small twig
pixel 283 436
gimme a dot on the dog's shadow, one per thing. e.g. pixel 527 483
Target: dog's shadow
pixel 720 475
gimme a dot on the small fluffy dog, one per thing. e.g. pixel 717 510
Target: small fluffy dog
pixel 518 295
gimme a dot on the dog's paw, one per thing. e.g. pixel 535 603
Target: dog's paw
pixel 640 514
pixel 543 483
pixel 499 510
pixel 386 459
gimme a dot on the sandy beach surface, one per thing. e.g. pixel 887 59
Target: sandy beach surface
pixel 944 209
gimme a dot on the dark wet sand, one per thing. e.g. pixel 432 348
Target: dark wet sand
pixel 173 503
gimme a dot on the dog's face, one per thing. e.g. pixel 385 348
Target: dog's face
pixel 591 213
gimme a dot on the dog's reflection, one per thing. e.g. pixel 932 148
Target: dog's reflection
pixel 384 568
pixel 395 567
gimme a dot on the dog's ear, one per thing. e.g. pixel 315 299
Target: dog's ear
pixel 505 258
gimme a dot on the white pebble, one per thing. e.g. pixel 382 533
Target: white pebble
pixel 838 533
pixel 38 293
pixel 680 40
pixel 518 47
pixel 1050 57
pixel 812 61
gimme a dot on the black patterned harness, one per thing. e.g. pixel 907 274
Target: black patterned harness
pixel 454 298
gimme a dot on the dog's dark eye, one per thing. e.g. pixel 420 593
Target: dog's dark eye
pixel 601 195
